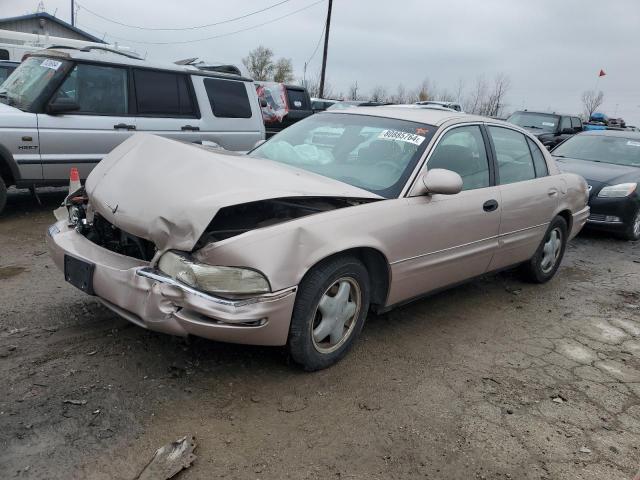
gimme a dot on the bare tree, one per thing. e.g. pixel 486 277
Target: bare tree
pixel 591 101
pixel 259 62
pixel 495 104
pixel 313 87
pixel 475 101
pixel 283 71
pixel 379 94
pixel 400 95
pixel 426 91
pixel 353 91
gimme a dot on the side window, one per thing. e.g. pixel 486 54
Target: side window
pixel 539 162
pixel 97 89
pixel 228 98
pixel 514 157
pixel 162 93
pixel 576 124
pixel 462 150
pixel 565 122
pixel 297 100
pixel 4 54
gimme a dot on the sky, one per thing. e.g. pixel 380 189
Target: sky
pixel 551 50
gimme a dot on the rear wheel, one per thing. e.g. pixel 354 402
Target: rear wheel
pixel 3 194
pixel 545 262
pixel 329 313
pixel 632 230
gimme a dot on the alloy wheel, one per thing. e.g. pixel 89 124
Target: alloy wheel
pixel 551 250
pixel 336 315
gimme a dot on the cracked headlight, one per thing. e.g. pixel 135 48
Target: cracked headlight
pixel 213 279
pixel 618 191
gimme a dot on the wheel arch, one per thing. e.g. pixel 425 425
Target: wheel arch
pixel 567 217
pixel 8 168
pixel 376 264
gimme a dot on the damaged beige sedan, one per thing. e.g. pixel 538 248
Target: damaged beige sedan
pixel 296 242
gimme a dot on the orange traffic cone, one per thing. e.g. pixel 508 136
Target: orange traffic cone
pixel 74 180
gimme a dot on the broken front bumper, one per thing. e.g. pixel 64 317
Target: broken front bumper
pixel 155 301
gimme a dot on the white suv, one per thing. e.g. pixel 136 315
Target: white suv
pixel 67 108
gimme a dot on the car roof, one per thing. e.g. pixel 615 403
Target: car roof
pixel 431 116
pixel 548 113
pixel 114 57
pixel 612 133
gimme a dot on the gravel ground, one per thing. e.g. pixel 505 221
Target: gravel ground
pixel 495 379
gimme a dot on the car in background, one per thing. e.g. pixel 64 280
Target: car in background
pixel 68 108
pixel 356 103
pixel 6 68
pixel 610 162
pixel 294 243
pixel 282 105
pixel 321 104
pixel 450 105
pixel 550 128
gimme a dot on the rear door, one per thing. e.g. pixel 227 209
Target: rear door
pixel 82 138
pixel 529 195
pixel 165 104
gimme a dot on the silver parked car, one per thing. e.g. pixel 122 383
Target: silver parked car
pixel 340 213
pixel 68 108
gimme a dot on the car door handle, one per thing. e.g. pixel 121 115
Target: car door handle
pixel 124 126
pixel 490 205
pixel 189 128
pixel 552 192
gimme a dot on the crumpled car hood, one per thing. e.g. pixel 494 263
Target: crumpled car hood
pixel 168 191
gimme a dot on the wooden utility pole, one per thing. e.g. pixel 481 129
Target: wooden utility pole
pixel 326 47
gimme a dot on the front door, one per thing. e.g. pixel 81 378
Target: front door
pixel 529 195
pixel 453 237
pixel 81 139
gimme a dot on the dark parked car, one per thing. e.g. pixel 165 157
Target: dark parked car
pixel 550 128
pixel 6 67
pixel 610 162
pixel 283 105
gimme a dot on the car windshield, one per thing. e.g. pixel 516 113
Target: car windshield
pixel 29 81
pixel 374 153
pixel 601 148
pixel 537 121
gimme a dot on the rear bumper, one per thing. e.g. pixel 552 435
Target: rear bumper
pixel 578 222
pixel 155 301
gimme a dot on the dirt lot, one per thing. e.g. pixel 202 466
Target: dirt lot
pixel 493 380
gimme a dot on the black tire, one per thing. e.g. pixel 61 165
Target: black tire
pixel 632 232
pixel 306 314
pixel 3 194
pixel 534 270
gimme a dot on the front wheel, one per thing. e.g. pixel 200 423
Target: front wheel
pixel 331 306
pixel 545 262
pixel 632 230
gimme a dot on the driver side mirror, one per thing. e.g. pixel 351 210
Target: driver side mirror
pixel 62 105
pixel 439 180
pixel 568 131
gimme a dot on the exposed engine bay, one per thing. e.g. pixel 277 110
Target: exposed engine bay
pixel 108 236
pixel 238 219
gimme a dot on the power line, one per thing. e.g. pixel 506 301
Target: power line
pixel 317 45
pixel 183 28
pixel 211 37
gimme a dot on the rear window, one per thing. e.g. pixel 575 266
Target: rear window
pixel 297 100
pixel 228 98
pixel 576 123
pixel 162 93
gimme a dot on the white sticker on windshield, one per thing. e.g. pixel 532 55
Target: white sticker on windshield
pixel 631 143
pixel 297 103
pixel 401 136
pixel 548 124
pixel 53 64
